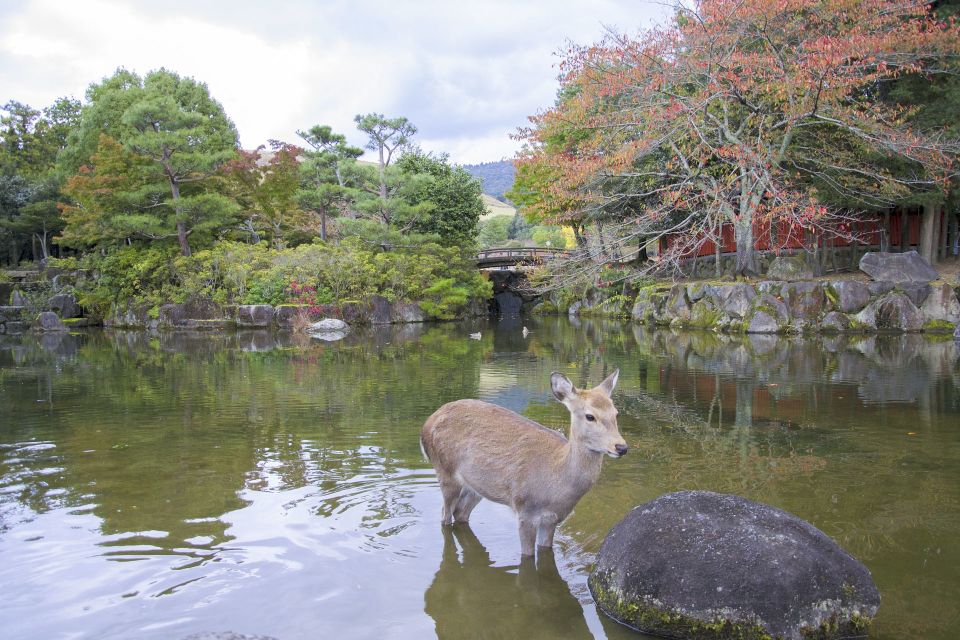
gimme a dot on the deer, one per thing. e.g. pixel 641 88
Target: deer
pixel 481 450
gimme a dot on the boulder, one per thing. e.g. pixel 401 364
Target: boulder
pixel 762 322
pixel 328 324
pixel 402 312
pixel 18 298
pixel 851 295
pixel 49 321
pixel 695 291
pixel 704 314
pixel 574 309
pixel 790 268
pixel 956 333
pixel 677 307
pixel 703 565
pixel 65 305
pixel 649 304
pixel 380 310
pixel 285 314
pixel 880 287
pixel 942 305
pixel 916 291
pixel 329 330
pixel 134 316
pixel 255 315
pixel 805 300
pixel 835 322
pixel 11 312
pixel 775 307
pixel 897 267
pixel 892 312
pixel 178 314
pixel 736 299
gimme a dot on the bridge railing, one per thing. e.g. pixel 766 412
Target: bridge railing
pixel 518 255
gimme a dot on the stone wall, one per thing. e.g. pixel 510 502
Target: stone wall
pixel 774 306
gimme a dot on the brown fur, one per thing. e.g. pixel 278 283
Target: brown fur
pixel 480 450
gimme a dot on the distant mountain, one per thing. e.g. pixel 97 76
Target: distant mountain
pixel 496 177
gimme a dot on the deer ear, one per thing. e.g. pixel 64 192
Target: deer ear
pixel 608 385
pixel 561 386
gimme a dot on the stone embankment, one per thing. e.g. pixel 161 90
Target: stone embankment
pixel 903 295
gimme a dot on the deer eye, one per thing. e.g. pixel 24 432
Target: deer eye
pixel 590 417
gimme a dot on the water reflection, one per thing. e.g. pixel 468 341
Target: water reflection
pixel 154 485
pixel 471 597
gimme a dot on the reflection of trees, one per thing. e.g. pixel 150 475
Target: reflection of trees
pixel 163 431
pixel 472 598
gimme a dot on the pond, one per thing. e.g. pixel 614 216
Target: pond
pixel 158 486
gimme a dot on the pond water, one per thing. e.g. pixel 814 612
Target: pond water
pixel 158 486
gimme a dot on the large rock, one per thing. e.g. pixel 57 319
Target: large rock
pixel 897 267
pixel 49 321
pixel 736 299
pixel 179 314
pixel 762 322
pixel 702 565
pixel 835 322
pixel 380 310
pixel 677 307
pixel 403 312
pixel 790 268
pixel 941 305
pixel 285 315
pixel 917 292
pixel 805 300
pixel 133 316
pixel 329 330
pixel 892 312
pixel 19 298
pixel 851 295
pixel 65 304
pixel 255 315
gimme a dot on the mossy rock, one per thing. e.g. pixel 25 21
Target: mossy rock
pixel 706 566
pixel 939 326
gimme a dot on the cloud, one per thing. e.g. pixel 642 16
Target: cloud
pixel 467 74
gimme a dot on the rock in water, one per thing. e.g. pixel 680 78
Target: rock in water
pixel 897 267
pixel 703 565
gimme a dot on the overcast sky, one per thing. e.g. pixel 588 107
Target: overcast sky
pixel 467 74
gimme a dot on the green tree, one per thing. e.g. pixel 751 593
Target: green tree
pixel 493 231
pixel 386 136
pixel 323 188
pixel 453 194
pixel 182 134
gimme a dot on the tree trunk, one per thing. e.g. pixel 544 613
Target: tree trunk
pixel 904 232
pixel 181 225
pixel 885 233
pixel 942 238
pixel 954 228
pixel 746 258
pixel 927 224
pixel 323 224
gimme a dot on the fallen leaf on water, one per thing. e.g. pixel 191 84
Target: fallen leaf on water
pixel 911 433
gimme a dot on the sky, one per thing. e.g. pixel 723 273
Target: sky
pixel 467 74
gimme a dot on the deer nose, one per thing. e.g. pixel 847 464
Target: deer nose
pixel 621 449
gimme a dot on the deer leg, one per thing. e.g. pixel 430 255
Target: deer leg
pixel 468 499
pixel 546 529
pixel 528 534
pixel 451 494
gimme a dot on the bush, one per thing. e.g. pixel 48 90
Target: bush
pixel 232 272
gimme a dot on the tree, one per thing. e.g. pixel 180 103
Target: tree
pixel 323 186
pixel 264 184
pixel 182 135
pixel 30 142
pixel 493 231
pixel 386 136
pixel 453 194
pixel 734 113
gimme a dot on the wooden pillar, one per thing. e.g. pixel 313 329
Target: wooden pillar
pixel 885 241
pixel 904 231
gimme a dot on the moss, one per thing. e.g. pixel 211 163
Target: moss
pixel 672 624
pixel 832 295
pixel 938 326
pixel 545 308
pixel 75 322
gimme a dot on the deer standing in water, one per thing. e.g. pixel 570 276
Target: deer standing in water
pixel 480 450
